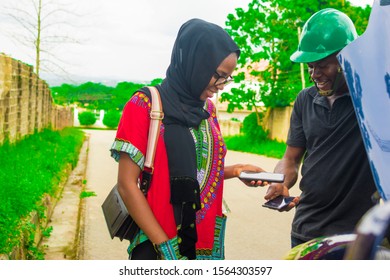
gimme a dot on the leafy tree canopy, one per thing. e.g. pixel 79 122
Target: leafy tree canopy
pixel 267 34
pixel 90 94
pixel 96 95
pixel 122 93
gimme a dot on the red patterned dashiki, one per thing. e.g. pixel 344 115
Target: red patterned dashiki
pixel 132 139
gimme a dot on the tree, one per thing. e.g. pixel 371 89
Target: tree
pixel 156 81
pixel 111 118
pixel 267 34
pixel 96 95
pixel 44 25
pixel 87 118
pixel 123 92
pixel 91 95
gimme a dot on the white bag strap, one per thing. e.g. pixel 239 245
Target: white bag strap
pixel 156 116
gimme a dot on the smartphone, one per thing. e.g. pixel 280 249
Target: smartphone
pixel 278 202
pixel 262 176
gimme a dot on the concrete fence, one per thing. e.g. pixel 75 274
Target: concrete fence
pixel 276 121
pixel 229 127
pixel 26 104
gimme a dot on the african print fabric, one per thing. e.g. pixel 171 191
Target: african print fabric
pixel 131 139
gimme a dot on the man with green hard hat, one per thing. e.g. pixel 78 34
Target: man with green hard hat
pixel 324 35
pixel 336 184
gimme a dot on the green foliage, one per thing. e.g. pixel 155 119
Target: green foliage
pixel 122 93
pixel 85 194
pixel 87 118
pixel 47 231
pixel 111 119
pixel 243 143
pixel 96 95
pixel 29 169
pixel 156 82
pixel 33 252
pixel 252 127
pixel 267 34
pixel 89 95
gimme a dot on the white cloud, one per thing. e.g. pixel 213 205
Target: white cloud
pixel 125 39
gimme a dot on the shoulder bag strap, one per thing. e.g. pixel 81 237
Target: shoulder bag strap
pixel 156 116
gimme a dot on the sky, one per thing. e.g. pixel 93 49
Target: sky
pixel 118 40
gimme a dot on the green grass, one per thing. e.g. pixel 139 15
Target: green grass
pixel 94 127
pixel 268 148
pixel 29 169
pixel 85 194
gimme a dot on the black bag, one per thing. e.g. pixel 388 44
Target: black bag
pixel 120 224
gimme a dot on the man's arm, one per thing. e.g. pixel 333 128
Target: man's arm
pixel 289 166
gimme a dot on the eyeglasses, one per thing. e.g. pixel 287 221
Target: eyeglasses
pixel 221 80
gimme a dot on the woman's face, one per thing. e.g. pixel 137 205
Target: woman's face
pixel 221 77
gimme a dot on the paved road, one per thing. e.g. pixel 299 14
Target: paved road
pixel 101 177
pixel 253 232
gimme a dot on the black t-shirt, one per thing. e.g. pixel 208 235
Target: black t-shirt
pixel 336 183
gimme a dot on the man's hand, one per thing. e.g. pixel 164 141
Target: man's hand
pixel 276 189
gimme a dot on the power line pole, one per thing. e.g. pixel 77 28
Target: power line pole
pixel 301 64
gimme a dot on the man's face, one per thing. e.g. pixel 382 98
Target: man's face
pixel 324 73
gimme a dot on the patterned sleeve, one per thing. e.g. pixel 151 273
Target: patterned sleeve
pixel 132 133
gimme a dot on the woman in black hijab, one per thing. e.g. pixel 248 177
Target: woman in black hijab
pixel 183 217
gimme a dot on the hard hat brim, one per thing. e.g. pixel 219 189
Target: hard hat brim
pixel 306 57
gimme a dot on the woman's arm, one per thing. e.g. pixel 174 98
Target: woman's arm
pixel 233 171
pixel 135 201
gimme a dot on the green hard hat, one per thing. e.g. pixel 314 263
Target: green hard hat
pixel 324 33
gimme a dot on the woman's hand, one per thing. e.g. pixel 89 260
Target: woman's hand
pixel 169 250
pixel 252 168
pixel 234 171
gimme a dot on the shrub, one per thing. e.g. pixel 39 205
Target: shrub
pixel 111 119
pixel 87 118
pixel 268 148
pixel 38 164
pixel 252 129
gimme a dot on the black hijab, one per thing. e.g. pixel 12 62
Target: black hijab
pixel 199 49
